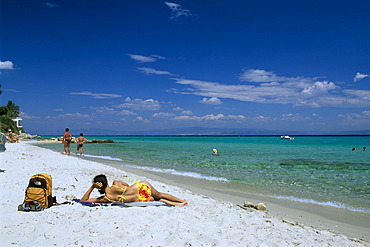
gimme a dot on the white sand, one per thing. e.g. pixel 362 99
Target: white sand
pixel 205 222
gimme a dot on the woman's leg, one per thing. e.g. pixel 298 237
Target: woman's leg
pixel 164 197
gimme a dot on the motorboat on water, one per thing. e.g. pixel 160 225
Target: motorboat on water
pixel 287 137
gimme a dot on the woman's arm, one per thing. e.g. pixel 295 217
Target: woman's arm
pixel 86 197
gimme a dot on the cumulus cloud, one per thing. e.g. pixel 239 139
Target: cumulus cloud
pixel 145 59
pixel 128 113
pixel 140 104
pixel 150 71
pixel 183 112
pixel 211 101
pixel 259 75
pixel 178 109
pixel 359 76
pixel 352 116
pixel 211 117
pixel 6 65
pixel 98 95
pixel 187 112
pixel 177 10
pixel 262 86
pixel 141 119
pixel 353 119
pixel 163 115
pixel 319 88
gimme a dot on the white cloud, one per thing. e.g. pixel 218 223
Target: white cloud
pixel 150 71
pixel 163 115
pixel 76 115
pixel 356 119
pixel 187 112
pixel 6 65
pixel 112 111
pixel 178 109
pixel 98 95
pixel 103 109
pixel 211 101
pixel 145 59
pixel 24 115
pixel 294 117
pixel 359 76
pixel 351 116
pixel 140 118
pixel 319 88
pixel 139 104
pixel 183 111
pixel 177 10
pixel 211 117
pixel 266 87
pixel 128 113
pixel 259 75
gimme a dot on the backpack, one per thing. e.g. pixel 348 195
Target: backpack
pixel 38 193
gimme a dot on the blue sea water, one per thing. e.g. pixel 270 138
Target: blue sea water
pixel 321 170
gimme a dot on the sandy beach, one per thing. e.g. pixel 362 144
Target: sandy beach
pixel 204 222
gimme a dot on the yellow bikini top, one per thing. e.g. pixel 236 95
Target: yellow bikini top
pixel 121 198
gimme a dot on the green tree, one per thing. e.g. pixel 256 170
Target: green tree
pixel 6 124
pixel 12 110
pixel 7 113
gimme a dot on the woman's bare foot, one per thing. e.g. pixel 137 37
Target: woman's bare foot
pixel 183 204
pixel 171 203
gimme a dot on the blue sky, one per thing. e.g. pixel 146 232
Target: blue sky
pixel 141 65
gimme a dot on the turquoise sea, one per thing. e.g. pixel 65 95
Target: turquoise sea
pixel 320 170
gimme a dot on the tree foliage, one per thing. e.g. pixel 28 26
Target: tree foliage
pixel 7 113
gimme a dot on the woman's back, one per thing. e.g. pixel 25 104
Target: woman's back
pixel 122 192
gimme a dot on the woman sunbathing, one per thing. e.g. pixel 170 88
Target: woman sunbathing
pixel 122 192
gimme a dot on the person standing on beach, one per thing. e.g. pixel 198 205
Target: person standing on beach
pixel 80 143
pixel 67 138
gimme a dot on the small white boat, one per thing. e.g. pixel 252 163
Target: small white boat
pixel 287 137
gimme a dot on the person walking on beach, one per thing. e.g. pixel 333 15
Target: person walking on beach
pixel 67 138
pixel 80 143
pixel 122 192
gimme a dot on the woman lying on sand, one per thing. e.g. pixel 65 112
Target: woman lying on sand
pixel 122 192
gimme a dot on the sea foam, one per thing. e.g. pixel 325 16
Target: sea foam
pixel 325 203
pixel 179 173
pixel 161 170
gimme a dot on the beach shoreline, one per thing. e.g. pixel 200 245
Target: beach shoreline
pixel 353 224
pixel 206 221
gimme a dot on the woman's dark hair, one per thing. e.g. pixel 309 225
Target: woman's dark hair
pixel 101 179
